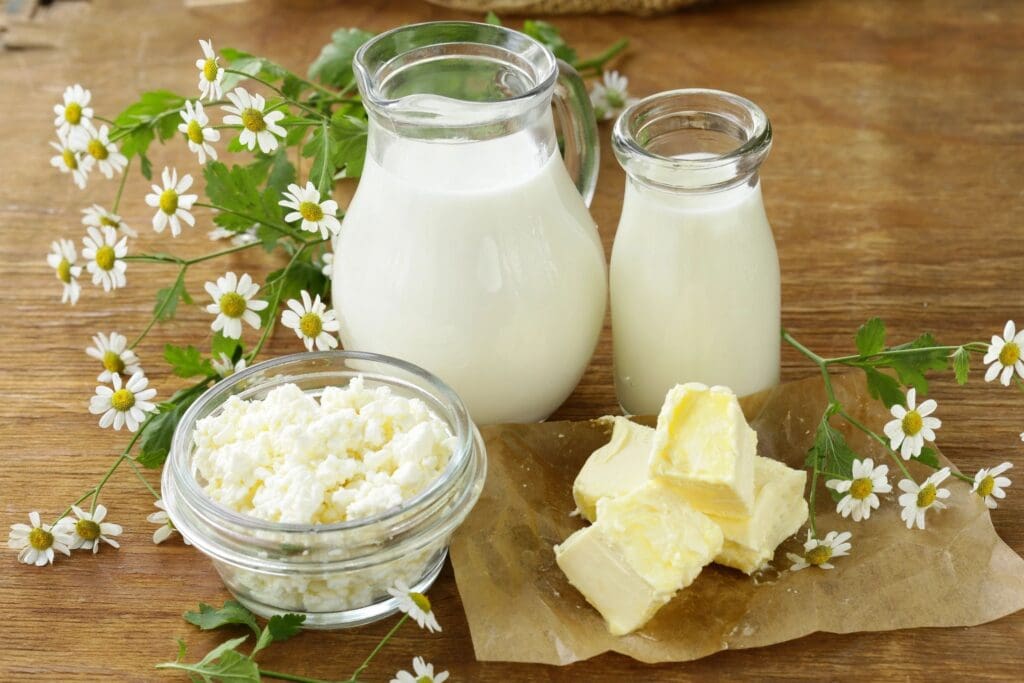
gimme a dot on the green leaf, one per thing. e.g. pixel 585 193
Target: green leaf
pixel 167 299
pixel 236 190
pixel 321 173
pixel 232 348
pixel 349 139
pixel 187 361
pixel 871 337
pixel 284 626
pixel 145 166
pixel 154 114
pixel 251 65
pixel 831 451
pixel 910 367
pixel 492 19
pixel 232 612
pixel 155 443
pixel 550 36
pixel 334 65
pixel 961 362
pixel 223 664
pixel 929 457
pixel 884 387
pixel 303 275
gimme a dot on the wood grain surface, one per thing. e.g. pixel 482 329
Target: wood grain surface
pixel 894 188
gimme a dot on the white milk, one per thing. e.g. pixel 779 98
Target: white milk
pixel 480 263
pixel 694 294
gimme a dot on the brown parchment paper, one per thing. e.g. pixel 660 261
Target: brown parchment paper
pixel 521 608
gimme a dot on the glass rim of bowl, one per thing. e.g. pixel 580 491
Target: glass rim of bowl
pixel 178 465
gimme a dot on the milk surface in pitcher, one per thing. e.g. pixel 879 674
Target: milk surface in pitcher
pixel 478 262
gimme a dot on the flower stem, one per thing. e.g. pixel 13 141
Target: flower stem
pixel 120 188
pixel 138 473
pixel 284 229
pixel 67 510
pixel 160 310
pixel 976 347
pixel 376 650
pixel 880 439
pixel 266 673
pixel 597 63
pixel 278 291
pixel 117 463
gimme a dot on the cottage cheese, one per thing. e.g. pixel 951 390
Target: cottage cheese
pixel 355 453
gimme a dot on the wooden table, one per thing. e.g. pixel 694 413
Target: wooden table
pixel 894 189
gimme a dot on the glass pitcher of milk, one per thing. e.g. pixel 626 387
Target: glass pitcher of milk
pixel 694 272
pixel 468 248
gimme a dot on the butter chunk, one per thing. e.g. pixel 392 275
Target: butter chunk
pixel 616 468
pixel 645 546
pixel 703 445
pixel 779 512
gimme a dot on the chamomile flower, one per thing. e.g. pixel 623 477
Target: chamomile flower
pixel 166 526
pixel 237 238
pixel 106 257
pixel 820 552
pixel 74 114
pixel 67 160
pixel 171 205
pixel 97 217
pixel 37 542
pixel 862 490
pixel 90 529
pixel 416 605
pixel 422 673
pixel 62 259
pixel 114 354
pixel 123 405
pixel 918 499
pixel 610 96
pixel 912 426
pixel 259 127
pixel 198 132
pixel 210 72
pixel 223 366
pixel 312 322
pixel 1005 356
pixel 989 484
pixel 327 267
pixel 233 303
pixel 98 150
pixel 307 207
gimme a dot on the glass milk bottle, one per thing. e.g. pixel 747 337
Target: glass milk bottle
pixel 694 271
pixel 468 248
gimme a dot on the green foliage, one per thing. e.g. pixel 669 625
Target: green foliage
pixel 871 337
pixel 830 452
pixel 303 274
pixel 232 348
pixel 237 191
pixel 550 36
pixel 929 457
pixel 492 19
pixel 341 145
pixel 154 115
pixel 224 663
pixel 155 442
pixel 884 387
pixel 334 65
pixel 960 361
pixel 249 64
pixel 167 298
pixel 232 612
pixel 186 361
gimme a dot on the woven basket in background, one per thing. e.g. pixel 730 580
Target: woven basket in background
pixel 640 7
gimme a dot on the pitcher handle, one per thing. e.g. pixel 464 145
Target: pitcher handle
pixel 579 130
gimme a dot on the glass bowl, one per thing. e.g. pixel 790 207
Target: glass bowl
pixel 335 574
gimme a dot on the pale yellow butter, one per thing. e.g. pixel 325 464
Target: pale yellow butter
pixel 703 445
pixel 616 468
pixel 779 512
pixel 644 547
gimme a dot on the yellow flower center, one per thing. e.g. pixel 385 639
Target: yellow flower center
pixel 615 99
pixel 105 257
pixel 311 211
pixel 87 529
pixel 40 539
pixel 104 220
pixel 912 423
pixel 420 600
pixel 1010 354
pixel 311 325
pixel 253 120
pixel 70 160
pixel 195 132
pixel 64 271
pixel 232 305
pixel 169 202
pixel 112 362
pixel 210 69
pixel 985 487
pixel 73 113
pixel 97 149
pixel 861 488
pixel 122 400
pixel 424 679
pixel 819 555
pixel 926 496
